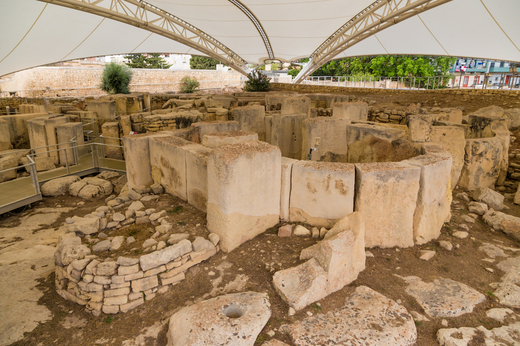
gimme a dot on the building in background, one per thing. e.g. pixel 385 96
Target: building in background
pixel 481 74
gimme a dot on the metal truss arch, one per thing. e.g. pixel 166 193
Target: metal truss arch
pixel 153 19
pixel 380 15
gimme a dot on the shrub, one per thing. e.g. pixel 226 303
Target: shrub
pixel 188 85
pixel 256 81
pixel 116 78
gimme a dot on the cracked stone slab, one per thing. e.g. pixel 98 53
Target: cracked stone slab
pixel 492 251
pixel 443 297
pixel 233 319
pixel 368 318
pixel 465 336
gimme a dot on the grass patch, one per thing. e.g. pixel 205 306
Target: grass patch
pixel 110 319
pixel 176 210
pixel 315 307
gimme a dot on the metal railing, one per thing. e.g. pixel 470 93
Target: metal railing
pixel 411 83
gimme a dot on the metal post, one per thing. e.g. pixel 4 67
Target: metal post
pixel 66 161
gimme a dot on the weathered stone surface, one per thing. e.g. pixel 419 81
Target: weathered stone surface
pixel 177 237
pixel 296 105
pixel 235 319
pixel 285 231
pixel 103 245
pixel 357 111
pixel 70 253
pixel 58 186
pixel 318 185
pixel 420 126
pixel 368 318
pixel 328 136
pixel 342 253
pixel 251 118
pixel 90 192
pixel 301 285
pixel 386 194
pixel 443 297
pixel 517 196
pixel 105 185
pixel 508 224
pixel 76 187
pixel 482 163
pixel 166 255
pixel 301 231
pixel 106 268
pixel 84 225
pixel 466 336
pixel 137 205
pixel 286 134
pixel 477 208
pixel 492 198
pixel 144 284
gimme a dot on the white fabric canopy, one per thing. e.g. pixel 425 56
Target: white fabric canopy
pixel 35 33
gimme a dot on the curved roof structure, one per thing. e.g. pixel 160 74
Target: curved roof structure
pixel 238 32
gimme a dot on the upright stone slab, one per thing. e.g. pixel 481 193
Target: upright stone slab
pixel 286 134
pixel 168 161
pixel 386 194
pixel 5 135
pixel 322 192
pixel 197 175
pixel 482 163
pixel 52 139
pixel 104 109
pixel 285 193
pixel 65 133
pixel 434 198
pixel 199 129
pixel 18 126
pixel 451 139
pixel 218 139
pixel 243 191
pixel 268 128
pixel 420 126
pixel 356 111
pixel 38 136
pixel 359 131
pixel 111 140
pixel 296 105
pixel 251 118
pixel 328 136
pixel 126 125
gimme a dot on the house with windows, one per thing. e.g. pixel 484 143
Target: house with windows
pixel 482 74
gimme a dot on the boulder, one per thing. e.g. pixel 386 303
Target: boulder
pixel 6 163
pixel 90 192
pixel 76 187
pixel 477 208
pixel 508 224
pixel 59 186
pixel 106 186
pixel 492 198
pixel 233 319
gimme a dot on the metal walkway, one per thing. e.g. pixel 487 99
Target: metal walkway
pixel 23 191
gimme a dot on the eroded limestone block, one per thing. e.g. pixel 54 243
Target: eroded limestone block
pixel 244 183
pixel 8 162
pixel 65 133
pixel 451 139
pixel 328 135
pixel 111 140
pixel 301 285
pixel 199 129
pixel 197 175
pixel 356 111
pixel 386 194
pixel 296 105
pixel 508 224
pixel 286 134
pixel 316 186
pixel 51 125
pixel 420 126
pixel 434 198
pixel 342 254
pixel 482 163
pixel 5 136
pixel 58 186
pixel 492 198
pixel 360 131
pixel 285 193
pixel 103 109
pixel 235 319
pixel 218 139
pixel 251 118
pixel 38 136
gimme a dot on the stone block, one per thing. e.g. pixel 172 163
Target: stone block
pixel 301 285
pixel 482 163
pixel 244 182
pixel 65 134
pixel 316 186
pixel 492 198
pixel 110 131
pixel 197 175
pixel 342 253
pixel 296 105
pixel 199 129
pixel 268 128
pixel 434 198
pixel 132 305
pixel 8 162
pixel 251 118
pixel 103 109
pixel 386 194
pixel 451 139
pixel 356 111
pixel 286 134
pixel 50 128
pixel 126 125
pixel 420 127
pixel 285 192
pixel 359 131
pixel 218 139
pixel 144 284
pixel 166 255
pixel 38 136
pixel 18 126
pixel 328 136
pixel 5 135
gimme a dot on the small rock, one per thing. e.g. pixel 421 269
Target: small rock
pixel 158 215
pixel 164 228
pixel 149 242
pixel 285 231
pixel 150 211
pixel 492 198
pixel 112 224
pixel 323 232
pixel 463 196
pixel 464 227
pixel 271 333
pixel 426 255
pixel 118 217
pixel 460 234
pixel 214 238
pixel 490 270
pixel 161 245
pixel 446 245
pixel 117 242
pixel 137 205
pixel 291 312
pixel 444 323
pixel 467 218
pixel 69 220
pixel 130 240
pixel 478 208
pixel 134 196
pixel 315 232
pixel 102 235
pixel 104 245
pixel 177 237
pixel 301 231
pixel 211 273
pixel 368 254
pixel 157 189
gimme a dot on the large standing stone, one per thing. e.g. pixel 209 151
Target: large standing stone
pixel 356 111
pixel 251 118
pixel 244 182
pixel 65 133
pixel 111 140
pixel 434 199
pixel 219 139
pixel 386 194
pixel 451 139
pixel 317 186
pixel 482 163
pixel 5 135
pixel 285 193
pixel 443 297
pixel 58 186
pixel 296 105
pixel 420 126
pixel 197 175
pixel 342 252
pixel 368 318
pixel 286 134
pixel 328 136
pixel 199 129
pixel 301 285
pixel 233 319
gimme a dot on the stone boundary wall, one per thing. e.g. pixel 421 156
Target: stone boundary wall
pixel 56 81
pixel 303 88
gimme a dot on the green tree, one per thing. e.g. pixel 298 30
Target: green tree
pixel 116 79
pixel 203 63
pixel 147 61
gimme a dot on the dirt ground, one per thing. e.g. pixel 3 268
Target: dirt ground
pixel 252 265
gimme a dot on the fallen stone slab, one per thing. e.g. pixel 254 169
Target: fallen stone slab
pixel 508 224
pixel 301 285
pixel 368 318
pixel 59 186
pixel 492 198
pixel 233 319
pixel 465 336
pixel 443 297
pixel 83 225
